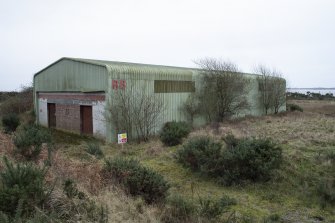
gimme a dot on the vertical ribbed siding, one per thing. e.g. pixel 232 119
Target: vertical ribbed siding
pixel 67 75
pixel 73 75
pixel 139 82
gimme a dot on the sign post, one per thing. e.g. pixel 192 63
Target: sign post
pixel 122 139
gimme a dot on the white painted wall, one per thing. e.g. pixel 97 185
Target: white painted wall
pixel 99 123
pixel 43 112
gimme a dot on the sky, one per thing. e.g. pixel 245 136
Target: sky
pixel 294 36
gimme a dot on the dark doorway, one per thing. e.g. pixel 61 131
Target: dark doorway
pixel 86 121
pixel 52 115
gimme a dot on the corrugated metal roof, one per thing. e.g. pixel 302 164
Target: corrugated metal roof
pixel 130 68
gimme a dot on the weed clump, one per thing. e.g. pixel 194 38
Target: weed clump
pixel 29 141
pixel 137 179
pixel 212 209
pixel 95 150
pixel 173 132
pixel 240 160
pixel 205 209
pixel 178 209
pixel 10 122
pixel 71 191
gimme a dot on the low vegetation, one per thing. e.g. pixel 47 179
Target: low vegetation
pixel 23 189
pixel 10 122
pixel 173 132
pixel 16 102
pixel 94 149
pixel 309 96
pixel 240 160
pixel 137 179
pixel 294 107
pixel 29 141
pixel 290 175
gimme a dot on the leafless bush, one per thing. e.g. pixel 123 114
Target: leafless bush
pixel 191 107
pixel 224 91
pixel 272 88
pixel 136 113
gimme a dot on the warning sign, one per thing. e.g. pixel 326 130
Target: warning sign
pixel 122 138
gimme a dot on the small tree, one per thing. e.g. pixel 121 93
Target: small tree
pixel 225 88
pixel 272 88
pixel 29 141
pixel 265 86
pixel 279 92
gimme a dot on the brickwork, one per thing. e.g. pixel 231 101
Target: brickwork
pixel 67 106
pixel 68 117
pixel 72 96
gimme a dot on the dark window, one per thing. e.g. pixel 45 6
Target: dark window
pixel 164 86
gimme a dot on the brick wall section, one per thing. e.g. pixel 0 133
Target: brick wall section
pixel 68 117
pixel 68 114
pixel 72 96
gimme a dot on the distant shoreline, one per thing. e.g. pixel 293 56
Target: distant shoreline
pixel 318 88
pixel 322 91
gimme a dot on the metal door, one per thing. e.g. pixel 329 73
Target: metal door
pixel 52 115
pixel 86 120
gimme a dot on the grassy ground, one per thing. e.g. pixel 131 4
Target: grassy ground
pixel 306 139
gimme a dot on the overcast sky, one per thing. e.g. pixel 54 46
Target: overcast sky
pixel 295 36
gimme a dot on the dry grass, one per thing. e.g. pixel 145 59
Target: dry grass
pixel 123 208
pixel 320 107
pixel 86 174
pixel 297 129
pixel 304 137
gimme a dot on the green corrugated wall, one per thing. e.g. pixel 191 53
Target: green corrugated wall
pixel 80 75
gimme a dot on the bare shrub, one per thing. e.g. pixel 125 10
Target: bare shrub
pixel 191 107
pixel 136 113
pixel 224 93
pixel 272 88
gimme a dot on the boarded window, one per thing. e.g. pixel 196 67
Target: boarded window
pixel 164 86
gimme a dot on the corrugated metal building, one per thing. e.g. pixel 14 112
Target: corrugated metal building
pixel 74 94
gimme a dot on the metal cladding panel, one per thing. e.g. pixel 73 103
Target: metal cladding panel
pixel 73 74
pixel 68 75
pixel 139 82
